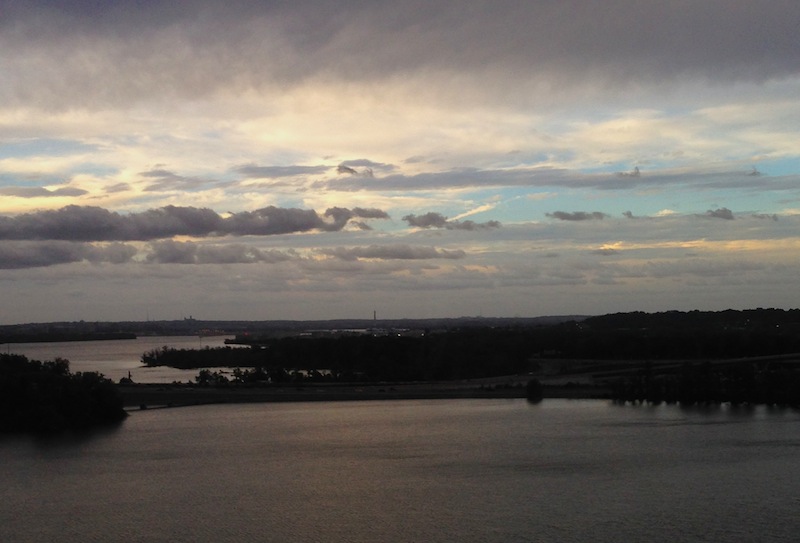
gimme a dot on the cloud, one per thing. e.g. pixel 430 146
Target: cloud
pixel 548 177
pixel 312 108
pixel 270 172
pixel 166 180
pixel 770 216
pixel 370 213
pixel 393 252
pixel 634 173
pixel 240 254
pixel 346 168
pixel 40 192
pixel 472 225
pixel 20 255
pixel 437 220
pixel 77 223
pixel 366 163
pixel 274 220
pixel 428 220
pixel 171 252
pixel 118 187
pixel 195 49
pixel 342 169
pixel 577 216
pixel 721 213
pixel 174 252
pixel 461 177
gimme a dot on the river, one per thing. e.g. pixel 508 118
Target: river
pixel 115 358
pixel 412 471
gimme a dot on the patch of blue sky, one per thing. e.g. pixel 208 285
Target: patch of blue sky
pixel 41 179
pixel 779 166
pixel 686 200
pixel 43 147
pixel 527 206
pixel 30 180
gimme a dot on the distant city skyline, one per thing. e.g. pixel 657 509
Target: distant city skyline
pixel 326 160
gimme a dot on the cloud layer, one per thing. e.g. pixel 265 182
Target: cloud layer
pixel 316 159
pixel 77 223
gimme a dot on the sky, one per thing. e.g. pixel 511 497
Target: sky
pixel 325 160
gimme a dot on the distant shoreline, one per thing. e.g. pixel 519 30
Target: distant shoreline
pixel 153 396
pixel 64 337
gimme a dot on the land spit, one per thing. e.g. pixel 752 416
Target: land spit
pixel 139 396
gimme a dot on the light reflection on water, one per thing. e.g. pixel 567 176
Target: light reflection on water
pixel 115 358
pixel 401 471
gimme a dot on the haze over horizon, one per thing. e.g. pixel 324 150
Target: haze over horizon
pixel 316 160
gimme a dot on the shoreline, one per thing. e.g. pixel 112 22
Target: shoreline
pixel 146 396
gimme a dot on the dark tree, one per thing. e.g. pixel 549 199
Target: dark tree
pixel 45 397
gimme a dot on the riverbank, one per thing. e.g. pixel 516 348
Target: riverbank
pixel 150 396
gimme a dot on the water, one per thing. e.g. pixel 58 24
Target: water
pixel 115 358
pixel 412 471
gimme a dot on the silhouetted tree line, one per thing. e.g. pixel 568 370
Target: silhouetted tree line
pixel 45 396
pixel 491 351
pixel 452 355
pixel 206 357
pixel 682 335
pixel 742 382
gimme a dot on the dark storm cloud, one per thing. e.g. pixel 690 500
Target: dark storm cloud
pixel 437 220
pixel 393 252
pixel 577 215
pixel 40 192
pixel 77 223
pixel 26 254
pixel 721 213
pixel 271 172
pixel 185 48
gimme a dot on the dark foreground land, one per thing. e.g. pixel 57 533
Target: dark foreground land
pixel 45 397
pixel 695 357
pixel 738 357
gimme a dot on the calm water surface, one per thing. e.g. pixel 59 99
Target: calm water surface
pixel 115 358
pixel 412 471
